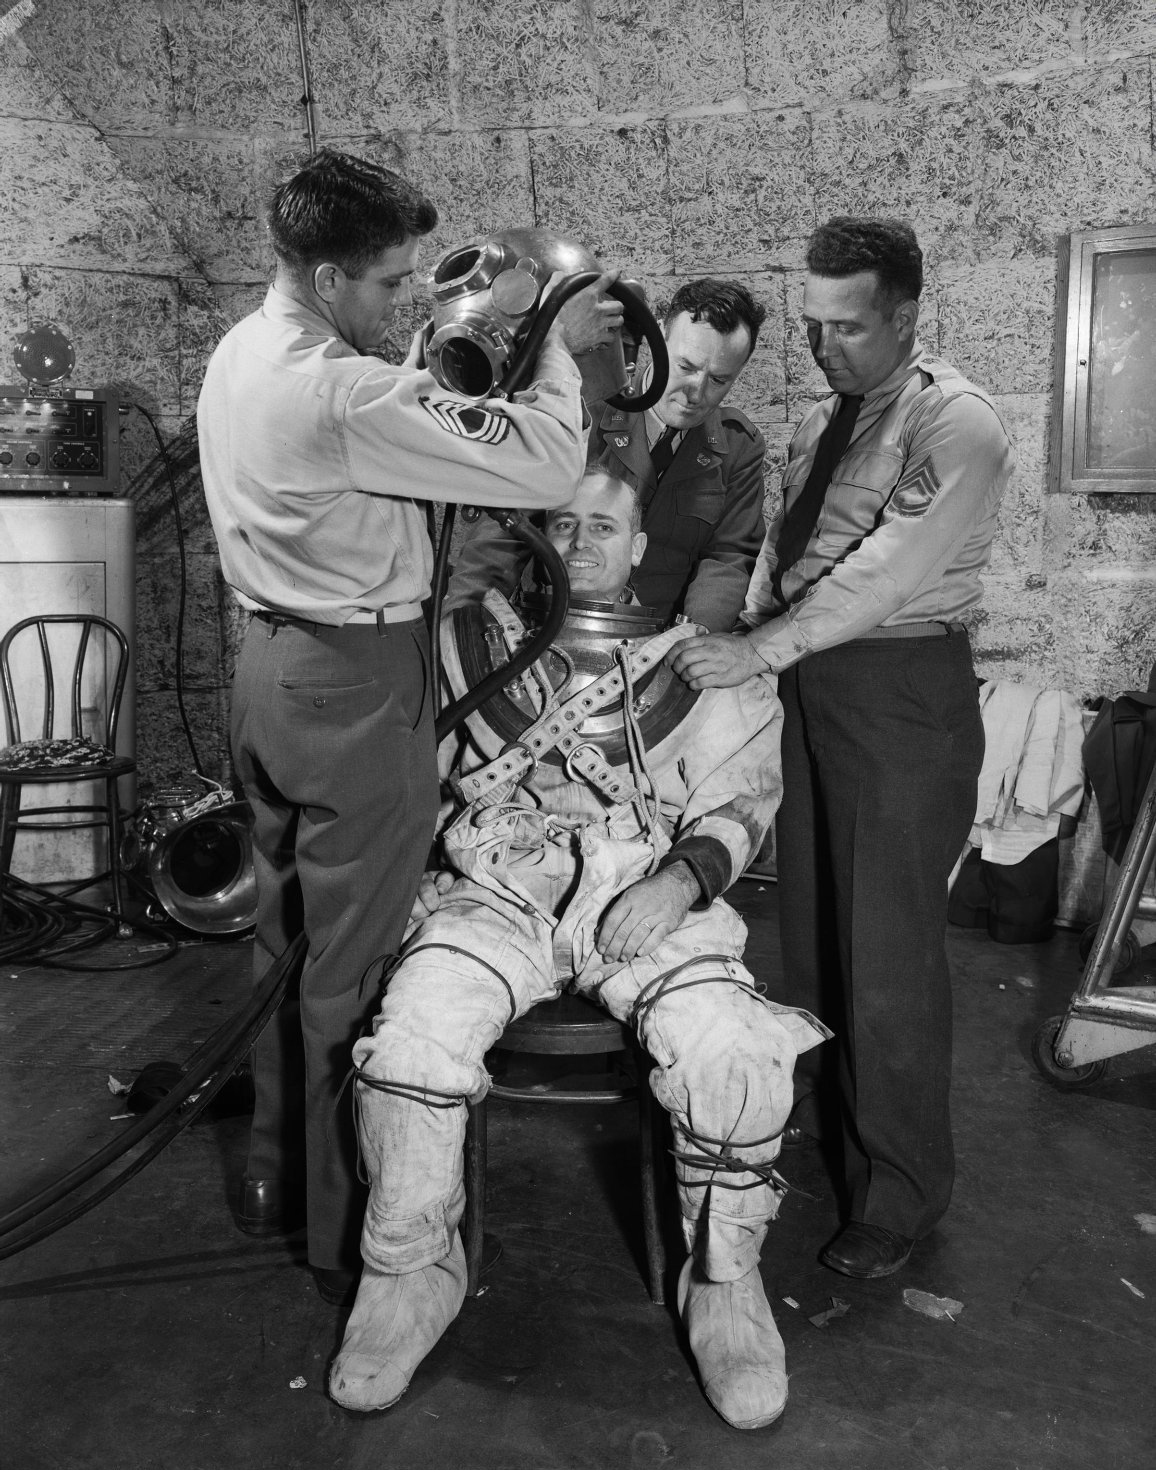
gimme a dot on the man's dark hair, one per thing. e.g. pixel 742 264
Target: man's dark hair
pixel 723 305
pixel 342 209
pixel 848 244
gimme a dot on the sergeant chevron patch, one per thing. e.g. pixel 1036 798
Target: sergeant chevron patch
pixel 467 420
pixel 917 491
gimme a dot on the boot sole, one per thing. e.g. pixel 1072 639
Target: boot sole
pixel 364 1408
pixel 752 1423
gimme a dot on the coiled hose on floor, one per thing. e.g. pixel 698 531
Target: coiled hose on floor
pixel 204 1074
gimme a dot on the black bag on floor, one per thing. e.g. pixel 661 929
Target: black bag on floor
pixel 1016 903
pixel 1119 753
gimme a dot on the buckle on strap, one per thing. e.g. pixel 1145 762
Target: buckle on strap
pixel 558 727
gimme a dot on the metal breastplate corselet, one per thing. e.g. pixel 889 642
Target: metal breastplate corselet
pixel 568 708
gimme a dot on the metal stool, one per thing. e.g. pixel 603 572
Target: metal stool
pixel 569 1026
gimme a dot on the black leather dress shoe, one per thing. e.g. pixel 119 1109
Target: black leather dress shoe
pixel 795 1136
pixel 269 1206
pixel 866 1251
pixel 334 1284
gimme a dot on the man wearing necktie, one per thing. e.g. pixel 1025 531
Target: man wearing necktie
pixel 697 462
pixel 890 498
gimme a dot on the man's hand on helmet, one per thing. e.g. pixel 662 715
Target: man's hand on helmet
pixel 590 319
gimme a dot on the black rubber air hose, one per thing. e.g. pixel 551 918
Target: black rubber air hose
pixel 518 524
pixel 440 578
pixel 205 1073
pixel 525 359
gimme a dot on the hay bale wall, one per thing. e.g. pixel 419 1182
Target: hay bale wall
pixel 137 142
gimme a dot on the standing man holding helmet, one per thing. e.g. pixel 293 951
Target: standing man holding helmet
pixel 891 494
pixel 315 457
pixel 697 462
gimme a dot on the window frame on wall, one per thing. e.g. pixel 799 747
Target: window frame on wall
pixel 1072 394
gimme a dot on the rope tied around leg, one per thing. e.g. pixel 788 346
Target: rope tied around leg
pixel 456 949
pixel 717 1154
pixel 660 987
pixel 430 1097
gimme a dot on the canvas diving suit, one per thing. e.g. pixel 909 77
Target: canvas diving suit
pixel 581 777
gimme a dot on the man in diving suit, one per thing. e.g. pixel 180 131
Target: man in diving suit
pixel 590 852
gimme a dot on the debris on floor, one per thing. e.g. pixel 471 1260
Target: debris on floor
pixel 941 1308
pixel 1135 1290
pixel 838 1308
pixel 1147 1223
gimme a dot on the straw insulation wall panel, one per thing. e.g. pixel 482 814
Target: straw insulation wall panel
pixel 739 191
pixel 378 67
pixel 657 56
pixel 625 217
pixel 517 63
pixel 818 53
pixel 997 322
pixel 209 191
pixel 139 141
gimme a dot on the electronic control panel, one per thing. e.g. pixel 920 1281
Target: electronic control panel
pixel 62 442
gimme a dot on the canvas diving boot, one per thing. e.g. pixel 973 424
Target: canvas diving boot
pixel 395 1323
pixel 736 1345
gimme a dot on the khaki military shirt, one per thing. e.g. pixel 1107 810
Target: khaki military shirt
pixel 906 524
pixel 315 460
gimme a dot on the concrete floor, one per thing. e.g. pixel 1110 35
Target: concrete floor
pixel 150 1333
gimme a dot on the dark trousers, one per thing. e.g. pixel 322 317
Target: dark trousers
pixel 332 734
pixel 882 746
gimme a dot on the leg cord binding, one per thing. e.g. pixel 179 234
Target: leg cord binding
pixel 649 996
pixel 410 1091
pixel 431 1097
pixel 454 949
pixel 724 1161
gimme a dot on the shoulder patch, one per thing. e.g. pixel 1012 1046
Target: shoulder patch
pixel 917 490
pixel 466 420
pixel 732 415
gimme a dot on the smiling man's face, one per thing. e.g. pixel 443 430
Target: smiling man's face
pixel 596 536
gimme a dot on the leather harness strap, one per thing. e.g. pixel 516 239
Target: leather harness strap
pixel 558 728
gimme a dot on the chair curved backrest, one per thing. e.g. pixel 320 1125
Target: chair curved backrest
pixel 70 692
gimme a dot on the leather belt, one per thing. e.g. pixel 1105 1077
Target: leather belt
pixel 286 620
pixel 911 630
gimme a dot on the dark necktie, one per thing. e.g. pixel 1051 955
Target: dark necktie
pixel 799 522
pixel 663 452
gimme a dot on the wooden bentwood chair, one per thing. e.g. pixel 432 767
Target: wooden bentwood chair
pixel 76 703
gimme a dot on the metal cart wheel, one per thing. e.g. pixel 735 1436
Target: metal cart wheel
pixel 1044 1056
pixel 1129 949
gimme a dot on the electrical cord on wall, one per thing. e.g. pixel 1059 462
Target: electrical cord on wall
pixel 178 522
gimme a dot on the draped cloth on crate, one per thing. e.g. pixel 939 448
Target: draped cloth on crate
pixel 1033 769
pixel 1031 787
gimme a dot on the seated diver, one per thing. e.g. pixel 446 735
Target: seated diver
pixel 597 865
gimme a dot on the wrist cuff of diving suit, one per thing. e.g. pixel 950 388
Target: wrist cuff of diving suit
pixel 710 862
